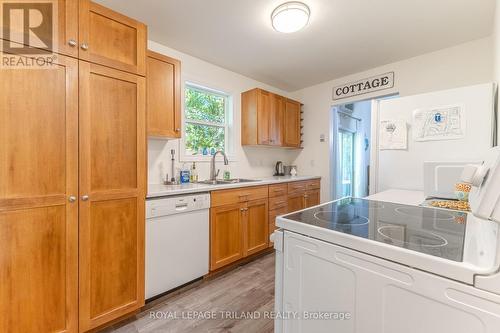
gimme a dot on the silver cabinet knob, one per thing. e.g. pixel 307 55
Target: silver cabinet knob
pixel 71 198
pixel 72 43
pixel 84 46
pixel 85 197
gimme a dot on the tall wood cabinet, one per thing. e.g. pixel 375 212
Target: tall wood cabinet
pixel 163 96
pixel 72 171
pixel 269 119
pixel 112 187
pixel 38 199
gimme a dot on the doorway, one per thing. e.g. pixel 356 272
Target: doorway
pixel 351 134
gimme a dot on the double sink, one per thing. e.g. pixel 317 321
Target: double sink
pixel 228 182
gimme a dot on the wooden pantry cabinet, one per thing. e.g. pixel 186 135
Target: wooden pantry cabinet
pixel 73 161
pixel 238 224
pixel 112 187
pixel 269 119
pixel 38 199
pixel 163 96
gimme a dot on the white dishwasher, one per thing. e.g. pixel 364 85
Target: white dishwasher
pixel 177 241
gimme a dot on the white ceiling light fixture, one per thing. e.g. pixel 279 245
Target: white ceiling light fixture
pixel 290 17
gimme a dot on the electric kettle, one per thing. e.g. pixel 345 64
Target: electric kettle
pixel 280 169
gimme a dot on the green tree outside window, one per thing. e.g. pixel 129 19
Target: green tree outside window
pixel 205 114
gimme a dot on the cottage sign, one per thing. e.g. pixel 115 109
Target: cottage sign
pixel 365 86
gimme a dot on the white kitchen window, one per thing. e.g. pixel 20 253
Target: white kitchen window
pixel 206 122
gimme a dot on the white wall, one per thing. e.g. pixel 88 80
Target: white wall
pixel 248 162
pixel 461 65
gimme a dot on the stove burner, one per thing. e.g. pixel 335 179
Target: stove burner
pixel 434 214
pixel 400 235
pixel 341 219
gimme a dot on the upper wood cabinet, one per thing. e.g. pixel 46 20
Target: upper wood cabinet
pixel 38 199
pixel 66 42
pixel 268 119
pixel 111 39
pixel 163 76
pixel 292 121
pixel 112 191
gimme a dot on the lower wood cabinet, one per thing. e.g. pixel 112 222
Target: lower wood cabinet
pixel 226 241
pixel 312 198
pixel 238 226
pixel 255 221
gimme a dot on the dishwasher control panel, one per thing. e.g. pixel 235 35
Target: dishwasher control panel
pixel 177 205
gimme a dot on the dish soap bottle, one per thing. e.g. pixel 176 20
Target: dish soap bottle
pixel 194 173
pixel 184 174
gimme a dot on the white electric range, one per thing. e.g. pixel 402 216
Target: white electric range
pixel 365 266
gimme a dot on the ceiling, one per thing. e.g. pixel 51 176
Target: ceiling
pixel 343 36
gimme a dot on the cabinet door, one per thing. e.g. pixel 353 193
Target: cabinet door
pixel 312 198
pixel 263 111
pixel 292 123
pixel 112 193
pixel 255 226
pixel 66 26
pixel 38 216
pixel 164 96
pixel 276 120
pixel 226 244
pixel 296 202
pixel 111 39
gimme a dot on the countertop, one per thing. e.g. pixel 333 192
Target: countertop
pixel 156 191
pixel 405 197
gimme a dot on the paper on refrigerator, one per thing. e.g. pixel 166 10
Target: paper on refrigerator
pixel 393 134
pixel 439 123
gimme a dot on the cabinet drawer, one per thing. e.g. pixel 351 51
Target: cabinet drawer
pixel 274 213
pixel 278 190
pixel 225 197
pixel 313 184
pixel 278 203
pixel 296 187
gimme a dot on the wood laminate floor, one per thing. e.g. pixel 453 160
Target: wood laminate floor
pixel 245 291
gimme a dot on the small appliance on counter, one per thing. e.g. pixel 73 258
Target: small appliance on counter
pixel 288 169
pixel 279 169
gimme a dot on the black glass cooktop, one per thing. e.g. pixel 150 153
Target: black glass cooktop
pixel 427 230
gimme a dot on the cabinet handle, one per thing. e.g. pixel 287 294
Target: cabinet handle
pixel 177 129
pixel 84 46
pixel 72 198
pixel 85 197
pixel 72 43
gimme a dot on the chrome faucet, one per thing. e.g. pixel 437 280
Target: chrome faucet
pixel 213 174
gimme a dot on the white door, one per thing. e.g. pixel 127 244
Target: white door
pixel 334 289
pixel 403 169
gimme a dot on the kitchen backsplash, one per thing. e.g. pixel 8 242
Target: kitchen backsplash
pixel 245 162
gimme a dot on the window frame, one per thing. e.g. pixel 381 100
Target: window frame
pixel 228 123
